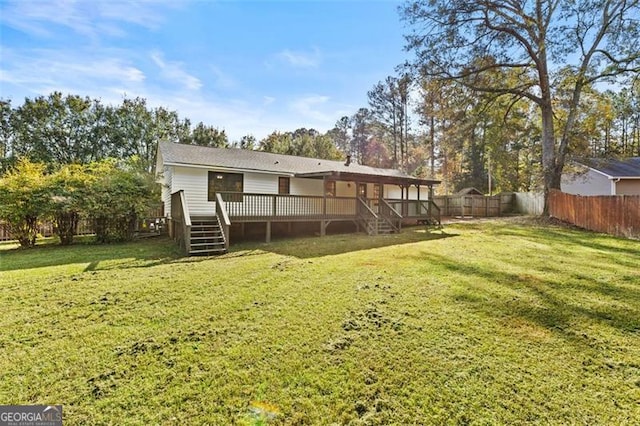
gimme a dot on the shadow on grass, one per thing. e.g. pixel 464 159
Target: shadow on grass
pixel 553 305
pixel 143 253
pixel 566 236
pixel 153 252
pixel 310 247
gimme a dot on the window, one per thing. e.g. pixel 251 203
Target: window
pixel 225 182
pixel 283 185
pixel 362 190
pixel 330 188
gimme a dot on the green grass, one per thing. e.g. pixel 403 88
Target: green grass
pixel 501 321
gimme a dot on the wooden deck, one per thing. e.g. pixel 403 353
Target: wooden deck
pixel 373 216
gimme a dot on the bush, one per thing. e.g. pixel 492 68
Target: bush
pixel 118 194
pixel 112 194
pixel 25 197
pixel 69 186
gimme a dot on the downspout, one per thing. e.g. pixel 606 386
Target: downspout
pixel 613 186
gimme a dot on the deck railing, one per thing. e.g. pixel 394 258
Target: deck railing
pixel 181 227
pixel 409 208
pixel 247 206
pixel 416 209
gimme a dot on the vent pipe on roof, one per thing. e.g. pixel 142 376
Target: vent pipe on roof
pixel 348 160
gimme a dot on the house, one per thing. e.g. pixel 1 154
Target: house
pixel 603 177
pixel 210 194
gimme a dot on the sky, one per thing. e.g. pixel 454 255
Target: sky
pixel 248 67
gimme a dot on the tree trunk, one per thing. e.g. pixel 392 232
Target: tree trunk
pixel 432 136
pixel 551 181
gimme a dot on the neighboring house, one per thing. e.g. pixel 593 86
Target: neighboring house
pixel 603 177
pixel 218 189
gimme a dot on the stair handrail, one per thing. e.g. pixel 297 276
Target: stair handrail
pixel 431 206
pixel 180 213
pixel 221 212
pixel 366 214
pixel 388 213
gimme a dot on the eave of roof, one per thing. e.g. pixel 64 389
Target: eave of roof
pixel 372 178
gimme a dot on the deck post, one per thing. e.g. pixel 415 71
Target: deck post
pixel 405 204
pixel 323 228
pixel 324 196
pixel 268 232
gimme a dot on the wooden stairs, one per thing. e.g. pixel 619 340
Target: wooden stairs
pixel 207 238
pixel 378 226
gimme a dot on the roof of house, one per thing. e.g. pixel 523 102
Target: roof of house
pixel 614 168
pixel 248 160
pixel 469 191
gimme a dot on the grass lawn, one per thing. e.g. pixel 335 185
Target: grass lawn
pixel 500 321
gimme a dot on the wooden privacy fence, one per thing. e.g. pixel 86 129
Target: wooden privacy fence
pixel 474 205
pixel 531 203
pixel 616 214
pixel 85 227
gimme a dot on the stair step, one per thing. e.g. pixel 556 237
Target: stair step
pixel 207 247
pixel 216 244
pixel 209 252
pixel 207 243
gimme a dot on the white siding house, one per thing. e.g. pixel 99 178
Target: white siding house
pixel 603 177
pixel 587 182
pixel 242 186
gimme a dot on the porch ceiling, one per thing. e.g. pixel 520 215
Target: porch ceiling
pixel 366 178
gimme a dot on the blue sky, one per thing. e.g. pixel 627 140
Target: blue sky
pixel 246 67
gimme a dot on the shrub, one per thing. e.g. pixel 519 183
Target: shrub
pixel 25 197
pixel 116 196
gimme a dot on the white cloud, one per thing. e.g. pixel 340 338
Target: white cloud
pixel 301 59
pixel 87 18
pixel 113 74
pixel 172 71
pixel 43 70
pixel 308 106
pixel 35 17
pixel 146 14
pixel 222 79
